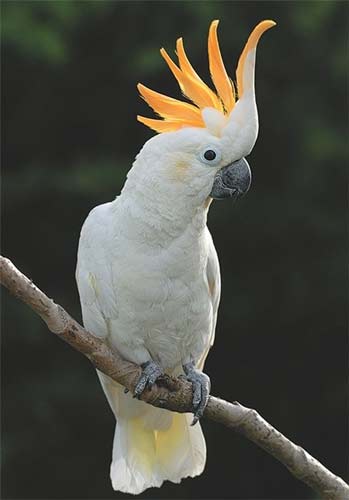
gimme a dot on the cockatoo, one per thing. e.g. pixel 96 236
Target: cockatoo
pixel 147 271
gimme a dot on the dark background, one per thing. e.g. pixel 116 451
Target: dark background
pixel 69 73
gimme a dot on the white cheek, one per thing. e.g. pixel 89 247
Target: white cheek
pixel 203 178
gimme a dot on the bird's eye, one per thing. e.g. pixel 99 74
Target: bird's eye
pixel 210 156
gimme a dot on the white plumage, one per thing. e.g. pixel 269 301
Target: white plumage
pixel 148 278
pixel 148 273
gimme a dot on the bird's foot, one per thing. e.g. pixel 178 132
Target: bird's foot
pixel 151 371
pixel 201 389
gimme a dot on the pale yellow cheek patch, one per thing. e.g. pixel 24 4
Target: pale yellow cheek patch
pixel 179 170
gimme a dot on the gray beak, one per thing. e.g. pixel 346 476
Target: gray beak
pixel 232 181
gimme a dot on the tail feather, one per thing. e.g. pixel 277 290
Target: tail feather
pixel 151 445
pixel 144 458
pixel 181 451
pixel 133 465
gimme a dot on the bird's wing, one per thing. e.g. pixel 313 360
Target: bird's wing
pixel 213 277
pixel 94 277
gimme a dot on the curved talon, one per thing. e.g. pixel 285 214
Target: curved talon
pixel 151 372
pixel 201 390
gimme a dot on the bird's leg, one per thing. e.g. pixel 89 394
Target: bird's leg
pixel 151 371
pixel 201 389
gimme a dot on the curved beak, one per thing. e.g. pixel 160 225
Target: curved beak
pixel 232 181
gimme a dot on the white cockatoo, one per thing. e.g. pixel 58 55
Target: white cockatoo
pixel 148 273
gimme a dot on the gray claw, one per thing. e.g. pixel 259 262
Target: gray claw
pixel 201 389
pixel 151 372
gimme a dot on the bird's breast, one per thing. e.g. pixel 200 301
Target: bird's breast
pixel 164 299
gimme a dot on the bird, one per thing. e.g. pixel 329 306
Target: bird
pixel 147 270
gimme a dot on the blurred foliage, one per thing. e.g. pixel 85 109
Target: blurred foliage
pixel 69 75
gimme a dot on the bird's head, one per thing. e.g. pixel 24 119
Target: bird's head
pixel 202 144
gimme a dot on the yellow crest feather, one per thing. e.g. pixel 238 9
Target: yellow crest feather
pixel 222 82
pixel 170 108
pixel 176 114
pixel 250 45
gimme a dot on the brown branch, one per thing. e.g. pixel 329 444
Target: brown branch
pixel 173 394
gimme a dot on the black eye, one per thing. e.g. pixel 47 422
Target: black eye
pixel 209 154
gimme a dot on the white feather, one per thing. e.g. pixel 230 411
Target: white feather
pixel 148 278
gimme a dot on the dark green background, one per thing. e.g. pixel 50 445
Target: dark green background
pixel 69 73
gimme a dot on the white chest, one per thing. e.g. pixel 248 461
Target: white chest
pixel 163 298
pixel 151 294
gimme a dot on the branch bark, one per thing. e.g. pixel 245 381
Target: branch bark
pixel 173 394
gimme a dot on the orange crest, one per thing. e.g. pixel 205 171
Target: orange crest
pixel 176 114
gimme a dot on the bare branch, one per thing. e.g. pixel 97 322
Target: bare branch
pixel 173 394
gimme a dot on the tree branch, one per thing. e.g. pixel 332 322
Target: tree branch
pixel 173 394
